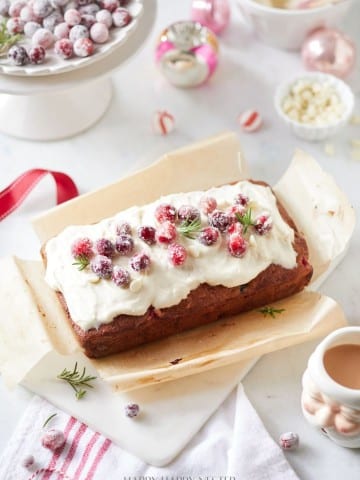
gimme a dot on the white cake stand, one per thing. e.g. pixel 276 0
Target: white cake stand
pixel 59 106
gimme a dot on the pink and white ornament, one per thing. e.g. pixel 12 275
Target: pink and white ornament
pixel 250 120
pixel 214 14
pixel 163 122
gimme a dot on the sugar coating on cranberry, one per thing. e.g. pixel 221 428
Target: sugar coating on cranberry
pixel 241 199
pixel 147 234
pixel 101 266
pixel 104 16
pixel 99 33
pixel 289 441
pixel 235 227
pixel 104 246
pixel 263 223
pixel 177 254
pixel 82 247
pixel 90 9
pixel 15 25
pixel 52 20
pixel 207 204
pixel 132 410
pixel 53 439
pixel 15 8
pixel 188 213
pixel 166 233
pixel 4 7
pixel 235 211
pixel 27 14
pixel 30 28
pixel 140 262
pixel 42 8
pixel 124 244
pixel 78 31
pixel 88 20
pixel 72 17
pixel 219 220
pixel 37 55
pixel 62 30
pixel 121 17
pixel 208 236
pixel 64 48
pixel 18 55
pixel 123 228
pixel 121 277
pixel 237 245
pixel 165 212
pixel 83 47
pixel 110 5
pixel 43 37
pixel 28 461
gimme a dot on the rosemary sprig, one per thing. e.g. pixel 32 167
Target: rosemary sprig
pixel 49 419
pixel 271 311
pixel 7 39
pixel 81 262
pixel 77 380
pixel 245 219
pixel 190 228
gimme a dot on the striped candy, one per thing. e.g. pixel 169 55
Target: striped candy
pixel 163 122
pixel 250 120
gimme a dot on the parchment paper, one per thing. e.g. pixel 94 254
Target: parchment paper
pixel 213 162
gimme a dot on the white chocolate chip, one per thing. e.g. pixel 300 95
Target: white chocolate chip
pixel 136 285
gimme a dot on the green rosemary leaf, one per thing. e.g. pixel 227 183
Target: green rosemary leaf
pixel 271 311
pixel 48 420
pixel 190 228
pixel 81 262
pixel 245 219
pixel 77 380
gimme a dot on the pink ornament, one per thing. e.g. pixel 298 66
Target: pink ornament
pixel 214 14
pixel 330 51
pixel 250 120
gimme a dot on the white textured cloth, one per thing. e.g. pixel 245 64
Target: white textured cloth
pixel 236 446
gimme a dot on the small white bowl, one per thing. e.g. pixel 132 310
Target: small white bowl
pixel 314 133
pixel 288 29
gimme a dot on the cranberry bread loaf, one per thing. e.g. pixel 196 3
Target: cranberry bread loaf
pixel 178 263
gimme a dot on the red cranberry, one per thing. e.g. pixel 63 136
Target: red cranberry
pixel 78 31
pixel 72 17
pixel 165 212
pixel 15 8
pixel 18 56
pixel 42 8
pixel 123 228
pixel 121 277
pixel 219 220
pixel 88 20
pixel 208 236
pixel 105 247
pixel 124 244
pixel 234 211
pixel 188 213
pixel 15 25
pixel 237 245
pixel 235 227
pixel 101 266
pixel 166 232
pixel 53 439
pixel 52 20
pixel 37 55
pixel 64 48
pixel 110 5
pixel 83 47
pixel 263 224
pixel 139 262
pixel 28 461
pixel 132 410
pixel 289 440
pixel 82 248
pixel 241 199
pixel 177 254
pixel 208 204
pixel 147 234
pixel 121 17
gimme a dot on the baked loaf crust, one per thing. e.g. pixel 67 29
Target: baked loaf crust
pixel 203 305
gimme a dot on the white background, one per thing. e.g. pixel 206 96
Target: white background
pixel 123 141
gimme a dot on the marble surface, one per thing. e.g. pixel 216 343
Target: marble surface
pixel 123 142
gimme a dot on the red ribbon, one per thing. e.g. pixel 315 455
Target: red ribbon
pixel 18 190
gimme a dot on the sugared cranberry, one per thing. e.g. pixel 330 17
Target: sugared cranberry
pixel 219 220
pixel 132 410
pixel 78 31
pixel 177 254
pixel 90 9
pixel 15 25
pixel 99 33
pixel 59 3
pixel 37 55
pixel 101 266
pixel 188 213
pixel 105 247
pixel 237 245
pixel 166 233
pixel 208 236
pixel 43 37
pixel 4 7
pixel 52 20
pixel 289 440
pixel 53 439
pixel 62 30
pixel 72 17
pixel 16 7
pixel 234 211
pixel 83 47
pixel 235 227
pixel 18 55
pixel 124 244
pixel 121 277
pixel 30 28
pixel 110 5
pixel 165 212
pixel 27 14
pixel 64 48
pixel 121 17
pixel 263 224
pixel 42 8
pixel 28 461
pixel 140 262
pixel 147 234
pixel 207 204
pixel 123 228
pixel 82 247
pixel 241 199
pixel 88 20
pixel 104 16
